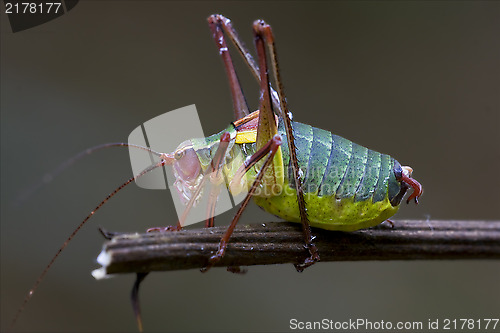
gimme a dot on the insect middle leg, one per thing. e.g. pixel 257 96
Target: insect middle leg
pixel 268 150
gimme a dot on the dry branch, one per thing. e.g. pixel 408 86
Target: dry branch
pixel 281 243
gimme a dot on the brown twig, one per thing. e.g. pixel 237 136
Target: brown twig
pixel 281 243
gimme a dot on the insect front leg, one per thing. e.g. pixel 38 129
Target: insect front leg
pixel 213 174
pixel 263 32
pixel 216 178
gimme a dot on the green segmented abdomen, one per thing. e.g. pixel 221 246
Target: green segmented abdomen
pixel 336 166
pixel 346 186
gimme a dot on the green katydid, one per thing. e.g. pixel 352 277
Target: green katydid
pixel 292 170
pixel 316 178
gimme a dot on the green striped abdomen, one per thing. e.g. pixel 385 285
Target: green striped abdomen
pixel 347 186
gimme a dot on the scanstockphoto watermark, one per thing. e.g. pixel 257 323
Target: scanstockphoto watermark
pixel 366 325
pixel 179 133
pixel 359 324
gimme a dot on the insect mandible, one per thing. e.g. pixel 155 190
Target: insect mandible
pixel 293 170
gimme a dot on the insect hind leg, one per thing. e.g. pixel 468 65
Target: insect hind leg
pixel 217 23
pixel 224 25
pixel 263 32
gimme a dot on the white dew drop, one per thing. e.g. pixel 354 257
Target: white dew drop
pixel 100 274
pixel 104 259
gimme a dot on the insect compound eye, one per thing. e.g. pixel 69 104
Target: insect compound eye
pixel 178 154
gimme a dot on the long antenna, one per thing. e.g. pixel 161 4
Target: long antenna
pixel 165 159
pixel 48 177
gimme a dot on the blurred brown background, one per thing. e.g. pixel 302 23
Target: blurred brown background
pixel 417 80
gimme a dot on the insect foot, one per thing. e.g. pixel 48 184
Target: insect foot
pixel 216 257
pixel 311 260
pixel 213 260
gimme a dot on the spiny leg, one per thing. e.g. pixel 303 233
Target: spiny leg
pixel 264 31
pixel 240 106
pixel 269 149
pixel 280 104
pixel 225 24
pixel 268 141
pixel 267 129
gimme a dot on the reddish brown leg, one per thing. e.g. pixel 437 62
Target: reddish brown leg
pixel 212 202
pixel 240 106
pixel 269 149
pixel 216 178
pixel 263 32
pixel 223 23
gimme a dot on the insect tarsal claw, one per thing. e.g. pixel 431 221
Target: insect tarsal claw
pixel 307 262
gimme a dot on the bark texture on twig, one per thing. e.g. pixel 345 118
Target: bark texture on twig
pixel 281 243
